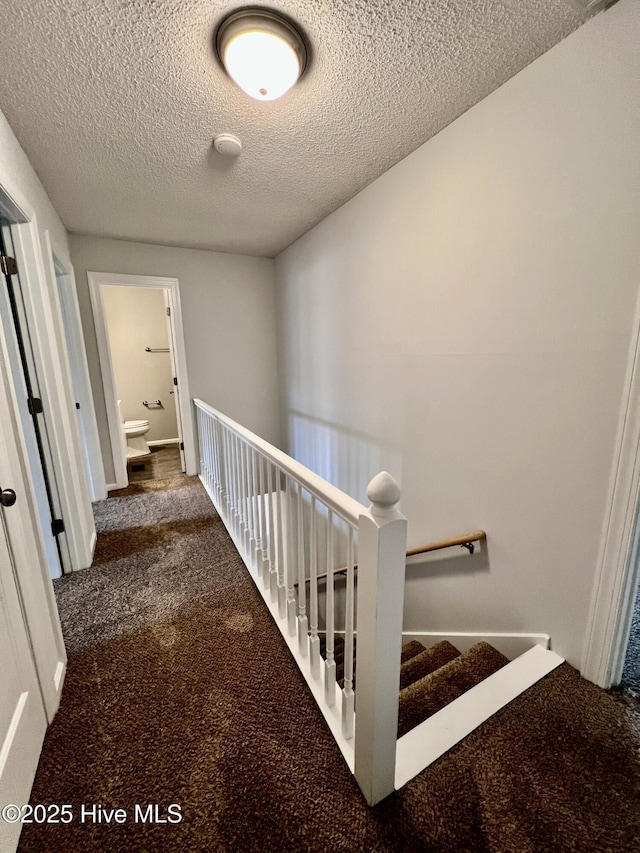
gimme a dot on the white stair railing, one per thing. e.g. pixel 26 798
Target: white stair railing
pixel 293 529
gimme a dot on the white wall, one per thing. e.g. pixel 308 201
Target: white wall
pixel 136 319
pixel 228 309
pixel 465 323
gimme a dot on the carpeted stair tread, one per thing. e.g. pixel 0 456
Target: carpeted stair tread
pixel 426 662
pixel 430 694
pixel 410 650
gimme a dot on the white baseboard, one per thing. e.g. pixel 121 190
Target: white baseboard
pixel 58 678
pixel 510 645
pixel 92 545
pixel 163 441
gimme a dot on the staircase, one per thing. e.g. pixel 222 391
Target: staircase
pixel 297 534
pixel 431 678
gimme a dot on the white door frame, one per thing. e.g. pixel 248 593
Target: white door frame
pixel 63 274
pixel 172 287
pixel 47 335
pixel 23 524
pixel 28 551
pixel 618 567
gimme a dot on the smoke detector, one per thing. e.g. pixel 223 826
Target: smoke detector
pixel 227 144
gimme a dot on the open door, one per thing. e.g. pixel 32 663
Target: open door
pixel 174 372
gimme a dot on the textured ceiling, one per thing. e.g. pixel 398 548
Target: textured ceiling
pixel 116 103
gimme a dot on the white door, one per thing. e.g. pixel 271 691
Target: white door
pixel 22 717
pixel 174 373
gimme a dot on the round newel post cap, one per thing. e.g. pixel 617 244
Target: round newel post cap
pixel 384 494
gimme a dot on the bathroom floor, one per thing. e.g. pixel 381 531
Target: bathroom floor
pixel 163 462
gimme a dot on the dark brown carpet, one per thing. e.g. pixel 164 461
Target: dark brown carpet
pixel 179 690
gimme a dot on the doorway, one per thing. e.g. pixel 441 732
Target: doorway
pixel 33 408
pixel 138 323
pixel 617 575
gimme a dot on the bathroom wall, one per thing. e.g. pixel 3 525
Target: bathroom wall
pixel 136 319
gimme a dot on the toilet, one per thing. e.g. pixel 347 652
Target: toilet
pixel 135 432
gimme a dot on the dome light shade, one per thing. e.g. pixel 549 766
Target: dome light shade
pixel 261 51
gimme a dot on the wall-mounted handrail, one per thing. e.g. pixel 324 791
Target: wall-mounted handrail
pixel 465 541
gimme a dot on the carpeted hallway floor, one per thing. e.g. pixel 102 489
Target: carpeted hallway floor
pixel 179 690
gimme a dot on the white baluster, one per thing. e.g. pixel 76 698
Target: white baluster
pixel 330 664
pixel 263 491
pixel 217 460
pixel 204 449
pixel 228 476
pixel 209 454
pixel 233 470
pixel 314 639
pixel 246 499
pixel 225 467
pixel 251 507
pixel 348 696
pixel 199 422
pixel 273 534
pixel 290 560
pixel 280 546
pixel 236 460
pixel 303 625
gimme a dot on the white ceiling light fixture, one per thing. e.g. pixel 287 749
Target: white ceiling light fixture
pixel 262 51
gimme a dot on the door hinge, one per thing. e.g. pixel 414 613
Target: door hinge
pixel 182 445
pixel 57 526
pixel 175 380
pixel 77 405
pixel 34 405
pixel 168 310
pixel 8 265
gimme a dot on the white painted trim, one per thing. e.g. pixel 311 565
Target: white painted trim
pixel 62 265
pixel 617 569
pixel 162 441
pixel 47 336
pixel 171 285
pixel 427 742
pixel 93 543
pixel 116 435
pixel 511 645
pixel 58 678
pixel 111 487
pixel 22 522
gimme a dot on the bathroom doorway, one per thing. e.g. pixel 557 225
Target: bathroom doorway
pixel 141 350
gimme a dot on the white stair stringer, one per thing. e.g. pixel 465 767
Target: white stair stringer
pixel 421 746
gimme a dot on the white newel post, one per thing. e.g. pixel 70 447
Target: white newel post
pixel 382 538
